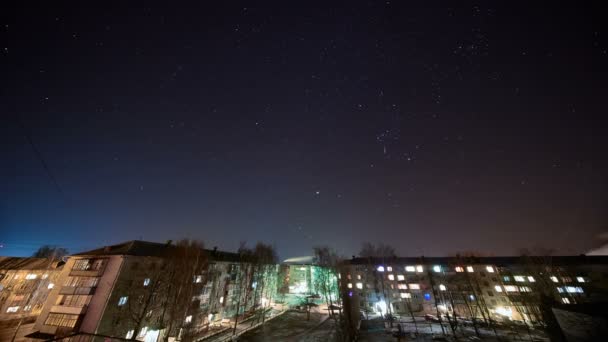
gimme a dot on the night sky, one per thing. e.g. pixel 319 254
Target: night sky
pixel 434 129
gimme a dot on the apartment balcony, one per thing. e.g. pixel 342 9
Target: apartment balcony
pixel 87 273
pixel 72 290
pixel 70 310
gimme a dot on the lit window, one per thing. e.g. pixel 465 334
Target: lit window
pixel 580 279
pixel 146 281
pixel 442 287
pixel 531 279
pixel 358 277
pixel 574 289
pixel 349 285
pixel 560 289
pixel 410 269
pixel 470 269
pixel 490 269
pixel 459 269
pixel 44 276
pixel 188 319
pixel 380 269
pixel 419 269
pixel 400 277
pixel 402 286
pixel 414 286
pixel 437 268
pixel 389 269
pixel 524 289
pixel 565 300
pixel 122 300
pixel 566 279
pixel 406 295
pixel 498 288
pixel 31 276
pixel 221 299
pixel 143 332
pixel 519 278
pixel 198 279
pixel 27 308
pixel 12 309
pixel 554 279
pixel 471 297
pixel 506 278
pixel 50 286
pixel 510 288
pixel 130 334
pixel 391 277
pixel 359 285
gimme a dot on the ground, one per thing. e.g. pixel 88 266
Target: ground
pixel 293 326
pixel 8 327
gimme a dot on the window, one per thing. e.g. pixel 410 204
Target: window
pixel 524 289
pixel 143 332
pixel 380 269
pixel 490 269
pixel 519 278
pixel 419 269
pixel 406 295
pixel 414 286
pixel 188 319
pixel 580 280
pixel 554 279
pixel 359 285
pixel 510 288
pixel 50 286
pixel 437 268
pixel 73 300
pixel 410 269
pixel 459 269
pixel 531 279
pixel 27 308
pixel 349 285
pixel 123 300
pixel 490 293
pixel 506 278
pixel 12 309
pixel 391 277
pixel 497 288
pixel 574 289
pixel 198 279
pixel 130 334
pixel 221 299
pixel 389 269
pixel 470 269
pixel 402 286
pixel 81 281
pixel 471 297
pixel 442 287
pixel 146 281
pixel 565 300
pixel 358 277
pixel 400 277
pixel 566 279
pixel 61 320
pixel 31 276
pixel 44 276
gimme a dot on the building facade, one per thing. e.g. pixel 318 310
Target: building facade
pixel 25 284
pixel 480 288
pixel 148 291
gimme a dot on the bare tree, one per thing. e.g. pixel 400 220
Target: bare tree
pixel 50 252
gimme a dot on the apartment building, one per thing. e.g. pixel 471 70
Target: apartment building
pixel 25 284
pixel 497 288
pixel 147 291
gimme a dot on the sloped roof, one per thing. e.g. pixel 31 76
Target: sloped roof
pixel 154 249
pixel 16 263
pixel 500 260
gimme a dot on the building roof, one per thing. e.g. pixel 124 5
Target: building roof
pixel 16 263
pixel 501 260
pixel 154 249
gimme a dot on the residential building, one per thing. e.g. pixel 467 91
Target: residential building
pixel 484 288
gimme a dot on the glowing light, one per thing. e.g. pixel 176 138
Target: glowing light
pixel 380 268
pixel 410 268
pixel 519 278
pixel 437 268
pixel 490 269
pixel 359 285
pixel 381 305
pixel 501 310
pixel 406 295
pixel 400 277
pixel 419 269
pixel 498 288
pixel 580 279
pixel 50 286
pixel 414 286
pixel 459 269
pixel 554 279
pixel 470 269
pixel 349 285
pixel 442 287
pixel 391 277
pixel 531 279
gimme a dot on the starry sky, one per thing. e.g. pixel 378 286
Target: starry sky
pixel 434 128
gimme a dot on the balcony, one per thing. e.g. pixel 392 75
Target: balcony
pixel 72 290
pixel 70 310
pixel 87 273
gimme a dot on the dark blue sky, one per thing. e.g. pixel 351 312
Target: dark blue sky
pixel 435 129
